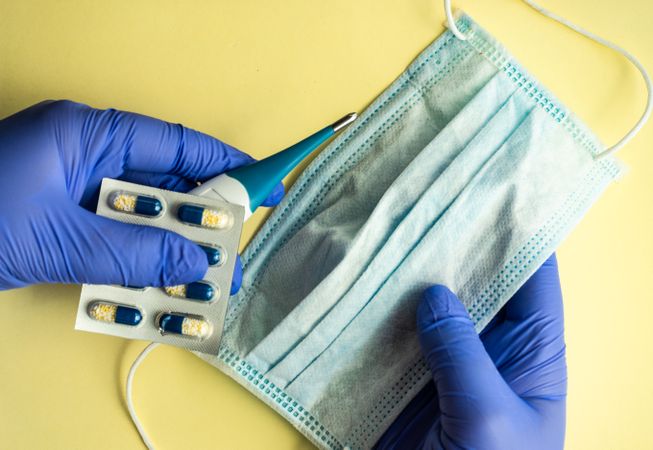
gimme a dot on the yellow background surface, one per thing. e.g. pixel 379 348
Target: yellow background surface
pixel 260 75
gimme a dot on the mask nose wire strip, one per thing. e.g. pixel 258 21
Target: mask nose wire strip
pixel 451 23
pixel 130 404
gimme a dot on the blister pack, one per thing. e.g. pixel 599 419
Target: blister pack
pixel 189 316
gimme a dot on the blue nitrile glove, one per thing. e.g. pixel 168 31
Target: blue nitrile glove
pixel 504 390
pixel 53 157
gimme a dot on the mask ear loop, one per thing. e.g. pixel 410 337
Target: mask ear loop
pixel 130 403
pixel 451 23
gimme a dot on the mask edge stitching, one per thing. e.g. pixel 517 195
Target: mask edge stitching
pixel 581 198
pixel 602 169
pixel 498 55
pixel 252 379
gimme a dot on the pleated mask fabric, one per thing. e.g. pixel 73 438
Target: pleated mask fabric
pixel 464 172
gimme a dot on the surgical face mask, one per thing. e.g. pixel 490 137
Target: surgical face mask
pixel 465 172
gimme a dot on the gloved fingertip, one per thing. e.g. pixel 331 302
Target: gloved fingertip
pixel 275 196
pixel 438 303
pixel 551 261
pixel 237 279
pixel 184 262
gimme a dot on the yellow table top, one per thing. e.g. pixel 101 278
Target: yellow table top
pixel 260 75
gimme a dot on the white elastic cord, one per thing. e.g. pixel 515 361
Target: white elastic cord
pixel 130 404
pixel 649 89
pixel 451 22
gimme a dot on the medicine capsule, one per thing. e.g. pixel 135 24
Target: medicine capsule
pixel 135 204
pixel 194 291
pixel 214 255
pixel 185 325
pixel 218 219
pixel 112 313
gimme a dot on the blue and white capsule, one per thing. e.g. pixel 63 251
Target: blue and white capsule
pixel 218 219
pixel 198 290
pixel 184 324
pixel 114 313
pixel 215 256
pixel 131 203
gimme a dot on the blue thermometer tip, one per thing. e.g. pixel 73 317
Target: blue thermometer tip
pixel 250 185
pixel 260 178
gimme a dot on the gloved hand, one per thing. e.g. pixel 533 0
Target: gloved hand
pixel 53 157
pixel 504 390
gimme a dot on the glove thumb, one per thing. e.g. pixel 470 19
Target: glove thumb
pixel 98 250
pixel 470 389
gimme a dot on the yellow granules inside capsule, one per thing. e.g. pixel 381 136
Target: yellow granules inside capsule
pixel 194 327
pixel 124 202
pixel 212 218
pixel 103 312
pixel 176 291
